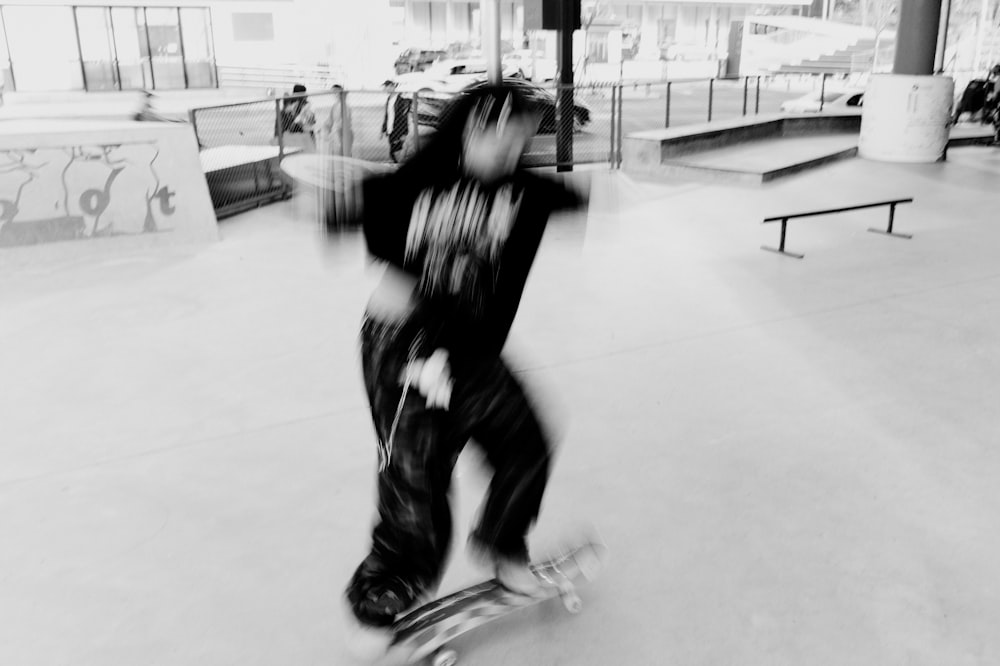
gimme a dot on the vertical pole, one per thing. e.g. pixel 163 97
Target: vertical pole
pixel 114 47
pixel 621 117
pixel 149 50
pixel 564 105
pixel 822 92
pixel 611 155
pixel 943 55
pixel 756 108
pixel 666 122
pixel 180 38
pixel 415 119
pixel 781 243
pixel 79 48
pixel 711 94
pixel 892 215
pixel 193 118
pixel 489 10
pixel 746 86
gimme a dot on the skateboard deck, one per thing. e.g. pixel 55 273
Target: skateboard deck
pixel 426 631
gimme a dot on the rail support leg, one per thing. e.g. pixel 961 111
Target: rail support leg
pixel 781 243
pixel 888 231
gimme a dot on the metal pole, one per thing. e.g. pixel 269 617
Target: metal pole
pixel 180 38
pixel 194 125
pixel 620 119
pixel 822 92
pixel 756 108
pixel 746 86
pixel 944 38
pixel 666 122
pixel 489 10
pixel 614 110
pixel 711 94
pixel 149 51
pixel 79 48
pixel 564 105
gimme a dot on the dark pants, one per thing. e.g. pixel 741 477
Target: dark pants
pixel 418 451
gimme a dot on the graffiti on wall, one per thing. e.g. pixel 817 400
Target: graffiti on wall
pixel 74 192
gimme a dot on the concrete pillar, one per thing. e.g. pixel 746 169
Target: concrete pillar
pixel 917 37
pixel 907 114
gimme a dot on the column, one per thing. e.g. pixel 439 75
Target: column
pixel 906 115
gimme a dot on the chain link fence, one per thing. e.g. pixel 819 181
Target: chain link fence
pixel 328 138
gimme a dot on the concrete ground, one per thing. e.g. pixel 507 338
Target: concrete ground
pixel 792 462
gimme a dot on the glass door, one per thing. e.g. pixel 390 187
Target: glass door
pixel 43 59
pixel 164 31
pixel 199 52
pixel 131 49
pixel 93 26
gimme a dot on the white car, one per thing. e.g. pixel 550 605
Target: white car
pixel 447 77
pixel 834 101
pixel 533 67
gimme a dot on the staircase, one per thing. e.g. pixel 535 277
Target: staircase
pixel 856 58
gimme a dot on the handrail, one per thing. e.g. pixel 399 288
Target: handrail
pixel 892 203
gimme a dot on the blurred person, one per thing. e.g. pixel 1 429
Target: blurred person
pixel 298 120
pixel 457 227
pixel 395 122
pixel 336 129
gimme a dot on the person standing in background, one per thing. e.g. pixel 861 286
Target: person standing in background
pixel 395 123
pixel 298 120
pixel 337 130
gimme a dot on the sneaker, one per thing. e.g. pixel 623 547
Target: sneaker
pixel 382 604
pixel 518 577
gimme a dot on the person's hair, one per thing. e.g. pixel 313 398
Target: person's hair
pixel 337 87
pixel 298 88
pixel 438 160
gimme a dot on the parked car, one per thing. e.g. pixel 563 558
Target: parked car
pixel 416 60
pixel 531 66
pixel 687 51
pixel 833 101
pixel 447 77
pixel 542 99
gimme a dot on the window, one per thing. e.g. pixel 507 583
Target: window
pixel 253 27
pixel 135 71
pixel 43 48
pixel 93 25
pixel 166 53
pixel 199 56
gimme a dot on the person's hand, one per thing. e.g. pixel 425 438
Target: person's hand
pixel 432 377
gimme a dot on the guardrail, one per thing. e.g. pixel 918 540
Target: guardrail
pixel 892 203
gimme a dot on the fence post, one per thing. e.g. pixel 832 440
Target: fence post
pixel 756 109
pixel 611 154
pixel 666 122
pixel 279 127
pixel 415 119
pixel 711 94
pixel 620 96
pixel 822 92
pixel 194 126
pixel 746 86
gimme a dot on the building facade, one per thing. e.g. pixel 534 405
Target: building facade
pixel 172 44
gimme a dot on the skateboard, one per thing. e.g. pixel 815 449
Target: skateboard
pixel 427 631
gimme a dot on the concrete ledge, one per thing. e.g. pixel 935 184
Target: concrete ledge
pixel 90 181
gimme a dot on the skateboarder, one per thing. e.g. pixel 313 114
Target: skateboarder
pixel 458 227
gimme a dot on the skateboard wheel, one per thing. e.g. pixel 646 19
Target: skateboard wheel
pixel 573 603
pixel 446 658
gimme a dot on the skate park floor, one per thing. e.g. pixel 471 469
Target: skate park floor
pixel 792 462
